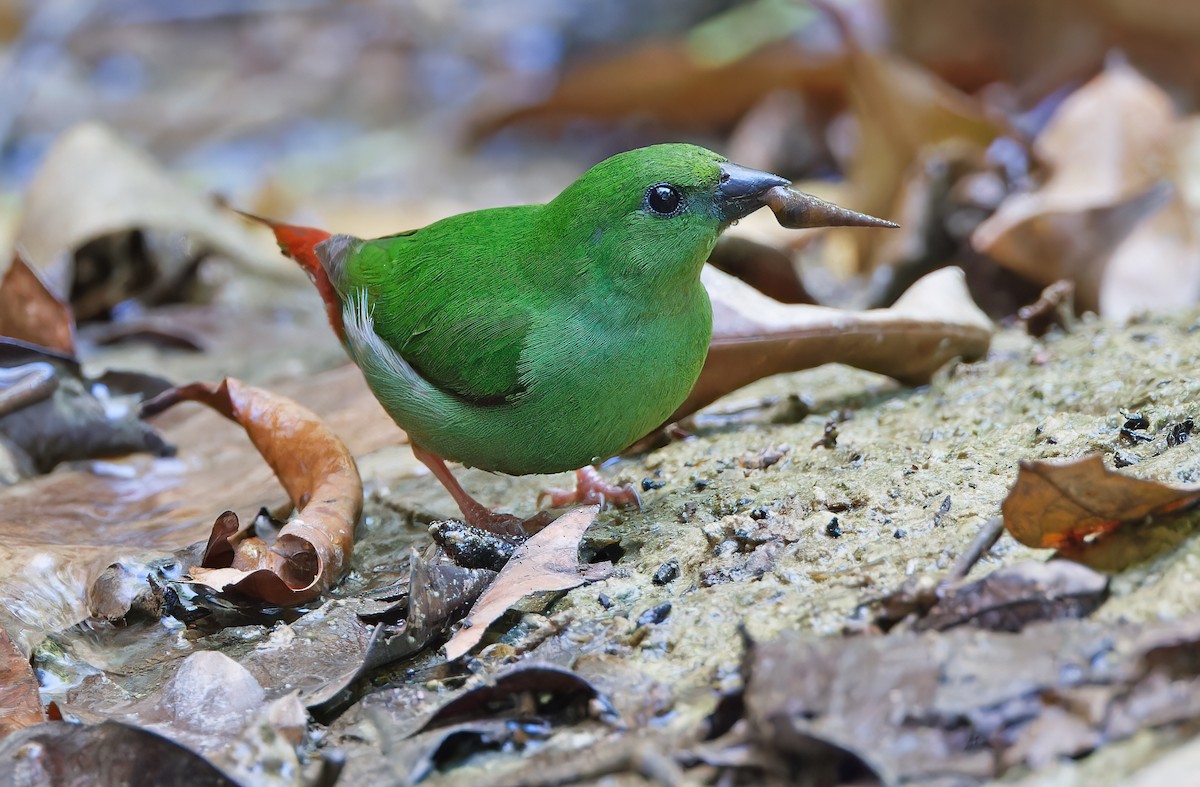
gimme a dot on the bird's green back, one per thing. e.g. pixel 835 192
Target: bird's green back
pixel 460 298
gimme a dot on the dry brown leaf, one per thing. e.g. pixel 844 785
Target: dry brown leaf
pixel 901 110
pixel 312 550
pixel 20 703
pixel 549 560
pixel 665 80
pixel 755 336
pixel 29 312
pixel 1080 505
pixel 1098 220
pixel 92 184
pixel 964 706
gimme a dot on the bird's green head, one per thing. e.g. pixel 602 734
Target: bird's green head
pixel 658 210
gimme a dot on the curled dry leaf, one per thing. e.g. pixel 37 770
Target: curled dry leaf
pixel 20 703
pixel 92 184
pixel 316 469
pixel 755 336
pixel 1114 214
pixel 1079 507
pixel 549 560
pixel 29 312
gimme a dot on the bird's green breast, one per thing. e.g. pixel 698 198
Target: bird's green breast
pixel 599 379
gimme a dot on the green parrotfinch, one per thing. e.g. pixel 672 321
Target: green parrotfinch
pixel 544 338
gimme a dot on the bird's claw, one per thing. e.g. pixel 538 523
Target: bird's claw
pixel 591 489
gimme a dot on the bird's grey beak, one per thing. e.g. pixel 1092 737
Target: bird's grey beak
pixel 743 190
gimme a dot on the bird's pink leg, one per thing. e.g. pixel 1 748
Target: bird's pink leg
pixel 591 488
pixel 474 513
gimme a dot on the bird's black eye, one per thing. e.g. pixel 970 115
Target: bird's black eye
pixel 664 200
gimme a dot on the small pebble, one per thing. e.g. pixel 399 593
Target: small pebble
pixel 649 483
pixel 834 528
pixel 900 533
pixel 655 614
pixel 605 600
pixel 667 572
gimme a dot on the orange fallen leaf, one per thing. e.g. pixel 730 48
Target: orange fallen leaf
pixel 1064 505
pixel 318 472
pixel 549 560
pixel 29 312
pixel 20 704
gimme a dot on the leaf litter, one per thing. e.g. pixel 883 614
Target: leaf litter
pixel 311 551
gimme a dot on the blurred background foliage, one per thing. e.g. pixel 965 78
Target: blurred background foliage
pixel 370 115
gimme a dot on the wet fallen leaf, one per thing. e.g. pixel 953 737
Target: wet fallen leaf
pixel 57 753
pixel 549 560
pixel 29 312
pixel 1081 507
pixel 755 336
pixel 49 411
pixel 20 703
pixel 437 593
pixel 76 420
pixel 1106 217
pixel 59 532
pixel 518 703
pixel 312 551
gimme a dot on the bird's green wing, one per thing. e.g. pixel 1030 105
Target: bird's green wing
pixel 455 315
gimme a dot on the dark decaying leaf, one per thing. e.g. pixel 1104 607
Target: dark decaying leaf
pixel 1012 597
pixel 755 336
pixel 49 412
pixel 761 265
pixel 966 706
pixel 58 753
pixel 20 703
pixel 1090 513
pixel 549 560
pixel 75 421
pixel 523 702
pixel 438 592
pixel 29 312
pixel 312 551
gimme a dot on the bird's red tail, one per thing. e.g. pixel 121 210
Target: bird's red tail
pixel 298 243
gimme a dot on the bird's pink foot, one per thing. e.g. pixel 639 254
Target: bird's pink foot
pixel 475 514
pixel 591 489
